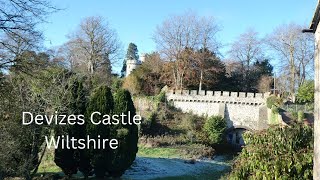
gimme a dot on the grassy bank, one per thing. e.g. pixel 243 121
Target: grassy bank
pixel 160 152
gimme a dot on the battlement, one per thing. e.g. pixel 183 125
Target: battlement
pixel 217 97
pixel 218 93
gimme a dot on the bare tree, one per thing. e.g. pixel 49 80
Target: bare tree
pixel 209 47
pixel 305 57
pixel 178 35
pixel 264 84
pixel 13 44
pixel 247 49
pixel 18 21
pixel 294 51
pixel 94 44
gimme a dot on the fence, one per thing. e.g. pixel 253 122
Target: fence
pixel 307 108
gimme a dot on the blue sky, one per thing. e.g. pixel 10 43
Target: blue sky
pixel 135 21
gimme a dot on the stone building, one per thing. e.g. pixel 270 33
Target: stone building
pixel 314 28
pixel 242 111
pixel 133 64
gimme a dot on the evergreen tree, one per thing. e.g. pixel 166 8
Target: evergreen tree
pixel 79 131
pixel 122 158
pixel 124 68
pixel 70 160
pixel 132 53
pixel 101 101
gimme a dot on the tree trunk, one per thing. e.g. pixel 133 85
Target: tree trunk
pixel 293 73
pixel 201 78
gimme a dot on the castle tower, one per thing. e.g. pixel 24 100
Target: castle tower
pixel 142 57
pixel 133 64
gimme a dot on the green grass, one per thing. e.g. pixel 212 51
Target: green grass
pixel 48 166
pixel 164 152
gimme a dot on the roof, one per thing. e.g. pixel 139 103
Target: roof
pixel 316 18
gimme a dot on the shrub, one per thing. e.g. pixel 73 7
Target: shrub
pixel 121 159
pixel 198 151
pixel 189 122
pixel 215 127
pixel 67 159
pixel 116 83
pixel 273 101
pixel 132 84
pixel 102 101
pixel 274 110
pixel 165 140
pixel 152 120
pixel 149 125
pixel 294 114
pixel 161 97
pixel 306 92
pixel 274 115
pixel 277 153
pixel 300 116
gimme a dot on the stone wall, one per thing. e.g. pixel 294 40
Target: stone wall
pixel 240 109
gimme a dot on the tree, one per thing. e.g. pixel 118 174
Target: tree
pixel 180 33
pixel 132 54
pixel 72 160
pixel 19 155
pixel 295 53
pixel 306 92
pixel 265 83
pixel 148 78
pixel 247 50
pixel 95 45
pixel 14 44
pixel 45 90
pixel 18 21
pixel 124 68
pixel 257 78
pixel 133 83
pixel 209 69
pixel 215 127
pixel 122 158
pixel 102 101
pixel 260 76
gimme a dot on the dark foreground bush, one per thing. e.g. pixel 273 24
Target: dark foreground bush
pixel 278 153
pixel 103 162
pixel 72 160
pixel 122 158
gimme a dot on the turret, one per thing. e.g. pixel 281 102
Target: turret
pixel 131 65
pixel 142 57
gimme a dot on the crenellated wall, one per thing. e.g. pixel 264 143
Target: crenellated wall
pixel 240 109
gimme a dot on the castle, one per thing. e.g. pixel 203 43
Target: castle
pixel 133 64
pixel 242 111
